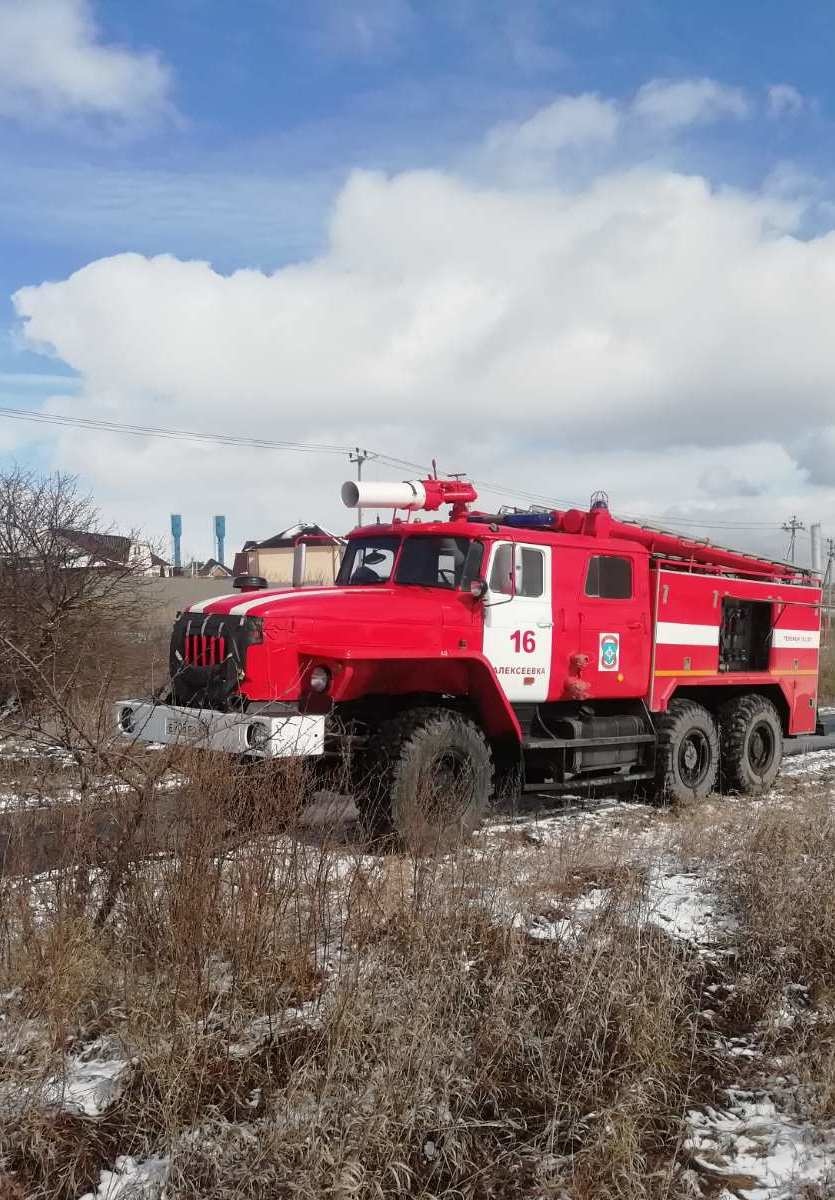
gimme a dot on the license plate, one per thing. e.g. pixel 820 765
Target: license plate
pixel 184 727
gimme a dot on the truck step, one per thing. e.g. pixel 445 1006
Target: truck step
pixel 555 743
pixel 588 782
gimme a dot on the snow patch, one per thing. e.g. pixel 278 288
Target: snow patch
pixel 807 764
pixel 132 1179
pixel 88 1085
pixel 261 1030
pixel 769 1155
pixel 580 914
pixel 684 907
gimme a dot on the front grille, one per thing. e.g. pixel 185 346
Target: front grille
pixel 204 651
pixel 208 656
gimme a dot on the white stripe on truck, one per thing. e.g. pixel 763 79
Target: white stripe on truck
pixel 678 633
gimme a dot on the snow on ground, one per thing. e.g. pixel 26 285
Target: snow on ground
pixel 762 1151
pixel 752 1143
pixel 89 1083
pixel 131 1179
pixel 260 1031
pixel 683 905
pixel 754 1146
pixel 806 764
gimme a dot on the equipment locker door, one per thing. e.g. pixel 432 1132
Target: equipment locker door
pixel 518 620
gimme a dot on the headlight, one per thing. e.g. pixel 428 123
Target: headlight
pixel 320 679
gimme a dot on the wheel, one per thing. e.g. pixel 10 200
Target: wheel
pixel 751 741
pixel 687 755
pixel 428 778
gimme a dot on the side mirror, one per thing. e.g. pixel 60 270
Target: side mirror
pixel 478 589
pixel 248 583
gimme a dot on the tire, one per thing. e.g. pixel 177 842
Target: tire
pixel 751 741
pixel 687 753
pixel 428 779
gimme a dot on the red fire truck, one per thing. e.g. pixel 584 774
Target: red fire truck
pixel 557 649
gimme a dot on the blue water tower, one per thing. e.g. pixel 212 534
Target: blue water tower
pixel 176 537
pixel 220 538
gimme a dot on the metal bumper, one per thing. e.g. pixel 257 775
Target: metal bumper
pixel 286 736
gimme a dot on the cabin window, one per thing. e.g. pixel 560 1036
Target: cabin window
pixel 428 561
pixel 523 562
pixel 530 572
pixel 501 572
pixel 368 560
pixel 609 577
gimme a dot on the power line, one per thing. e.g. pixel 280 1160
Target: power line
pixel 496 489
pixel 97 423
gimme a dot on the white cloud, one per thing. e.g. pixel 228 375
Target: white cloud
pixel 645 331
pixel 54 66
pixel 785 100
pixel 675 103
pixel 568 122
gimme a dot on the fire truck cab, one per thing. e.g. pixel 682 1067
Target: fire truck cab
pixel 456 659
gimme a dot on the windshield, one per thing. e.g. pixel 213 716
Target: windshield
pixel 368 560
pixel 447 562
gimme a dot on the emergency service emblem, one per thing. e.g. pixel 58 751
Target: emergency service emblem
pixel 609 652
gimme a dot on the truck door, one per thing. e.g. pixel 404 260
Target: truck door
pixel 518 622
pixel 615 624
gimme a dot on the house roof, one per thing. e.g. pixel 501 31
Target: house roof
pixel 295 534
pixel 211 564
pixel 105 547
pixel 102 547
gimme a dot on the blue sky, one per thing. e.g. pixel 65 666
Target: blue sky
pixel 261 111
pixel 278 100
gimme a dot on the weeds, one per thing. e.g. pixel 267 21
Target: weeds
pixel 291 1008
pixel 293 1012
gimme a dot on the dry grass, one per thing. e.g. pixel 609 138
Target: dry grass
pixel 439 1051
pixel 781 883
pixel 305 1015
pixel 827 672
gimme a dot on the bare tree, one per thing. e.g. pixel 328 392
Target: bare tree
pixel 69 590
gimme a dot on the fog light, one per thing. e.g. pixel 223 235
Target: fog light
pixel 126 721
pixel 320 679
pixel 257 735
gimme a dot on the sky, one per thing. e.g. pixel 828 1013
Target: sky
pixel 557 245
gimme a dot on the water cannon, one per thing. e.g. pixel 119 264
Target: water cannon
pixel 412 495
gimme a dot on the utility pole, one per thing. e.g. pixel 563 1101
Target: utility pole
pixel 827 579
pixel 792 528
pixel 359 457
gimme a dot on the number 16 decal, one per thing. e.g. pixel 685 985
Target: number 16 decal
pixel 524 641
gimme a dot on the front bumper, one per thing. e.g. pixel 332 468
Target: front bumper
pixel 294 735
